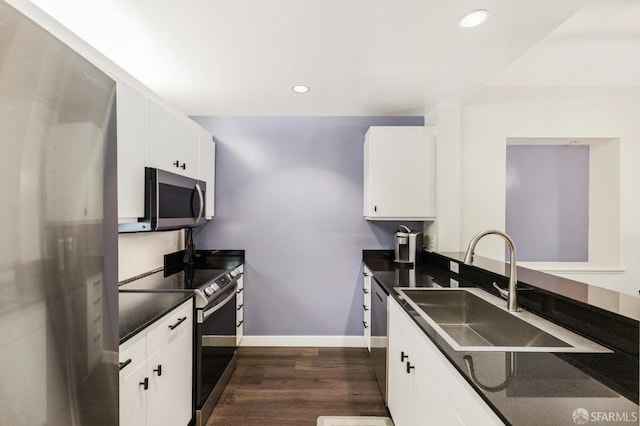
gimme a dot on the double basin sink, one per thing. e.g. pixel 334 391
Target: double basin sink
pixel 471 319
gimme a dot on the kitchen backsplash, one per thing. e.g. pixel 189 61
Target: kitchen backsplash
pixel 144 251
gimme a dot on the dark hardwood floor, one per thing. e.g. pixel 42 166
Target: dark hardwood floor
pixel 293 386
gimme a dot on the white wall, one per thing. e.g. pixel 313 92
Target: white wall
pixel 497 113
pixel 291 192
pixel 446 229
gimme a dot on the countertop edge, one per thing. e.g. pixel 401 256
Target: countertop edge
pixel 157 313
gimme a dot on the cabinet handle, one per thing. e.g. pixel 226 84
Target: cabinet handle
pixel 365 324
pixel 240 291
pixel 403 356
pixel 124 364
pixel 180 321
pixel 365 291
pixel 158 370
pixel 240 323
pixel 177 163
pixel 375 208
pixel 145 383
pixel 184 166
pixel 365 308
pixel 409 367
pixel 240 307
pixel 365 274
pixel 379 297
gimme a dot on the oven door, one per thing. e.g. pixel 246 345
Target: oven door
pixel 215 350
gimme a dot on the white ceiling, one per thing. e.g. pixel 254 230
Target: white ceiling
pixel 360 57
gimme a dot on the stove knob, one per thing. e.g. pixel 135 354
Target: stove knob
pixel 208 291
pixel 234 273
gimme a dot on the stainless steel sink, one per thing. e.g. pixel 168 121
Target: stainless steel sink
pixel 474 320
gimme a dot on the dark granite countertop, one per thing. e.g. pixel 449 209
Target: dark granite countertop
pixel 138 310
pixel 547 387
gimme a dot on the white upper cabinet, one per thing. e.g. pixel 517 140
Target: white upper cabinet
pixel 162 138
pixel 188 148
pixel 150 135
pixel 208 170
pixel 132 135
pixel 399 173
pixel 173 143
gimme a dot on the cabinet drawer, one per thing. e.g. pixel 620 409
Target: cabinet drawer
pixel 180 320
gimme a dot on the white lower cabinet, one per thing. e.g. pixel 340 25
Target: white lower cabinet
pixel 423 387
pixel 157 381
pixel 240 309
pixel 366 306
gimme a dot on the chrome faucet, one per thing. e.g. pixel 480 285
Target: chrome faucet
pixel 511 294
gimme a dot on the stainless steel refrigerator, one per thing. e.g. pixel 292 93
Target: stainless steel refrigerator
pixel 58 232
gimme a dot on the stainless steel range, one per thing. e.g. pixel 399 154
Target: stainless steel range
pixel 215 292
pixel 215 343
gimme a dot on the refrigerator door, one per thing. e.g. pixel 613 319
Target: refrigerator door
pixel 58 232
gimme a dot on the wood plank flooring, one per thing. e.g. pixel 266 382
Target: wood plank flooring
pixel 293 386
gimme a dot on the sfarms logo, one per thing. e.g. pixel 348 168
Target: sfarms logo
pixel 582 416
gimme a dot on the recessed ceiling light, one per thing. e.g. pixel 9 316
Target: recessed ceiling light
pixel 299 88
pixel 474 18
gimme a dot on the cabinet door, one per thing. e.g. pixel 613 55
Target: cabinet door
pixel 188 149
pixel 399 173
pixel 472 410
pixel 169 367
pixel 170 382
pixel 208 171
pixel 133 381
pixel 133 397
pixel 132 118
pixel 162 138
pixel 180 375
pixel 398 381
pixel 428 404
pixel 160 397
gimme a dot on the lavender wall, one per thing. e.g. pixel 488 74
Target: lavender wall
pixel 547 211
pixel 289 192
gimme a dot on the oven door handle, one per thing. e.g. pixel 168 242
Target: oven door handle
pixel 210 311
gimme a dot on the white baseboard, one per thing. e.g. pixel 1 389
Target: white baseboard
pixel 305 341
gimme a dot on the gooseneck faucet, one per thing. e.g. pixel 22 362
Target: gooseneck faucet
pixel 511 294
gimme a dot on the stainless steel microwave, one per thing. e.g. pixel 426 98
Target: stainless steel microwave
pixel 171 202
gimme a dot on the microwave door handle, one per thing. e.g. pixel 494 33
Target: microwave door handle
pixel 201 202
